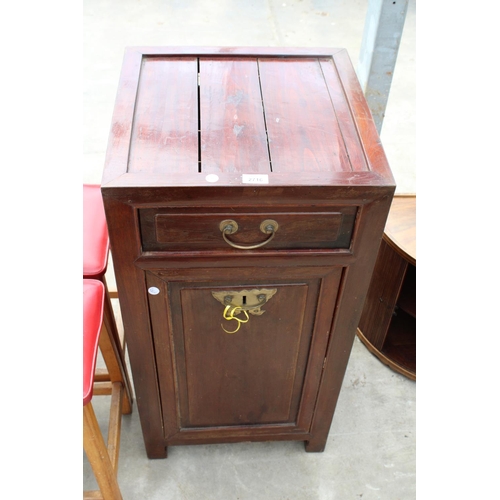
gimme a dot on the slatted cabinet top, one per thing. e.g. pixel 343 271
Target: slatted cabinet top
pixel 195 116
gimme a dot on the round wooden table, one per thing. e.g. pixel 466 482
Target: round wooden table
pixel 388 322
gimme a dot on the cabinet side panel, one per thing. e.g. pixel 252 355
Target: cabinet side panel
pixel 165 128
pixel 353 290
pixel 125 247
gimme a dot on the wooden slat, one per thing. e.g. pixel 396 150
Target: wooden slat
pixel 92 495
pixel 165 129
pixel 370 139
pixel 233 132
pixel 119 135
pixel 304 135
pixel 101 375
pixel 102 388
pixel 344 116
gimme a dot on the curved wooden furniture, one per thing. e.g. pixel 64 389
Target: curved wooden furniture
pixel 388 322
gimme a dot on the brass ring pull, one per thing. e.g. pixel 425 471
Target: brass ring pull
pixel 229 314
pixel 267 226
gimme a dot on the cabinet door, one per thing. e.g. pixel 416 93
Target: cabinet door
pixel 256 382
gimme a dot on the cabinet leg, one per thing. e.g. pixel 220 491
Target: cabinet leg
pixel 155 452
pixel 315 446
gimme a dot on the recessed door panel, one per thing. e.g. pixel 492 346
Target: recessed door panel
pixel 252 376
pixel 260 365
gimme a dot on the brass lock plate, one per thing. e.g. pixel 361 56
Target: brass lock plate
pixel 246 300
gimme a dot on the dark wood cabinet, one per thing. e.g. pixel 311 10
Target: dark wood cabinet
pixel 246 193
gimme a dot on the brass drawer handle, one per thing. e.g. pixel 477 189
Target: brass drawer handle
pixel 229 226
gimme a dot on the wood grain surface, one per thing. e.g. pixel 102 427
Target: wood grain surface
pixel 233 132
pixel 165 125
pixel 304 135
pixel 401 228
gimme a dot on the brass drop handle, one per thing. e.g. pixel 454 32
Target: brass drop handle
pixel 229 226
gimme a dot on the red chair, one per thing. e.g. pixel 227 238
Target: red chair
pixel 95 263
pixel 102 457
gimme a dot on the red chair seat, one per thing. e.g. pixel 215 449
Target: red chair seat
pixel 102 457
pixel 95 261
pixel 93 307
pixel 95 233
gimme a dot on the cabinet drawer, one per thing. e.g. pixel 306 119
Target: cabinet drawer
pixel 172 230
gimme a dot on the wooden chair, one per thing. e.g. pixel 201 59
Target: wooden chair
pixel 95 263
pixel 102 457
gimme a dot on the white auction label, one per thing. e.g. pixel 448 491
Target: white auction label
pixel 255 179
pixel 212 178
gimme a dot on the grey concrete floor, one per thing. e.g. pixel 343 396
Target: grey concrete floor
pixel 372 444
pixel 370 453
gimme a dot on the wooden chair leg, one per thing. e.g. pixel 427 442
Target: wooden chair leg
pixel 110 320
pixel 116 369
pixel 97 454
pixel 115 424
